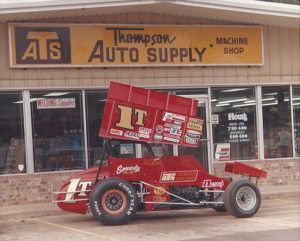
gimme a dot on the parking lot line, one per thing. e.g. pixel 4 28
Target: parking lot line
pixel 103 237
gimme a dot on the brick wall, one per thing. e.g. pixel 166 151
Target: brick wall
pixel 35 188
pixel 30 188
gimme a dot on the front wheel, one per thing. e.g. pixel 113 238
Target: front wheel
pixel 114 201
pixel 242 198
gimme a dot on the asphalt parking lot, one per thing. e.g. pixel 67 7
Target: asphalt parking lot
pixel 277 219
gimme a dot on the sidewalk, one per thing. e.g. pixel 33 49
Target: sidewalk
pixel 49 209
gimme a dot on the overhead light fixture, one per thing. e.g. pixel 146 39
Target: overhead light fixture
pixel 31 100
pixel 55 94
pixel 234 90
pixel 274 103
pixel 249 101
pixel 298 103
pixel 267 99
pixel 274 93
pixel 225 104
pixel 241 105
pixel 230 101
pixel 214 100
pixel 102 100
pixel 296 98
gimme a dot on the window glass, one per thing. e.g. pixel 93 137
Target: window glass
pixel 12 152
pixel 277 121
pixel 121 149
pixel 95 102
pixel 296 107
pixel 57 131
pixel 157 149
pixel 234 123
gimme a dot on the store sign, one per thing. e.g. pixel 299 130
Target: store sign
pixel 52 45
pixel 56 103
pixel 237 127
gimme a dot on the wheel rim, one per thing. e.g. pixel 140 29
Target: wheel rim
pixel 114 201
pixel 246 198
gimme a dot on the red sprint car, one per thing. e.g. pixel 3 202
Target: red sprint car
pixel 122 185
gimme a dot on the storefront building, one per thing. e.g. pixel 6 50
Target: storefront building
pixel 240 60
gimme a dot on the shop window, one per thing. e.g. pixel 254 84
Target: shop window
pixel 57 131
pixel 234 123
pixel 296 107
pixel 277 122
pixel 95 102
pixel 12 152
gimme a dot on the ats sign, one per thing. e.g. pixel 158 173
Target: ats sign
pixel 36 45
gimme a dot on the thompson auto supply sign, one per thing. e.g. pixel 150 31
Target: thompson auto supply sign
pixel 33 45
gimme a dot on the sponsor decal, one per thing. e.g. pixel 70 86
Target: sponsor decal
pixel 159 129
pixel 193 134
pixel 208 183
pixel 195 124
pixel 171 139
pixel 132 135
pixel 179 117
pixel 175 132
pixel 168 125
pixel 166 177
pixel 128 169
pixel 179 123
pixel 144 130
pixel 159 191
pixel 146 136
pixel 158 137
pixel 168 117
pixel 190 140
pixel 179 176
pixel 72 188
pixel 159 199
pixel 116 132
pixel 126 117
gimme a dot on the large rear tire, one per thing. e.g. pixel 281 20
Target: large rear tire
pixel 242 198
pixel 114 201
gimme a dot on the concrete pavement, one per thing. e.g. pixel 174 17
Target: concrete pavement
pixel 49 209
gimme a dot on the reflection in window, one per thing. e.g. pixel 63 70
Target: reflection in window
pixel 277 122
pixel 296 107
pixel 57 131
pixel 12 152
pixel 234 126
pixel 95 102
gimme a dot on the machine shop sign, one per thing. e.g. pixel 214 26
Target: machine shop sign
pixel 80 45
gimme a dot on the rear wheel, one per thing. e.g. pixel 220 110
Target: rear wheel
pixel 114 201
pixel 242 198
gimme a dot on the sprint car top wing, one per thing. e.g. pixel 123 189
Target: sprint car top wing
pixel 139 114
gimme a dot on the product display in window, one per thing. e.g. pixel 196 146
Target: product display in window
pixel 276 107
pixel 234 123
pixel 12 148
pixel 57 131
